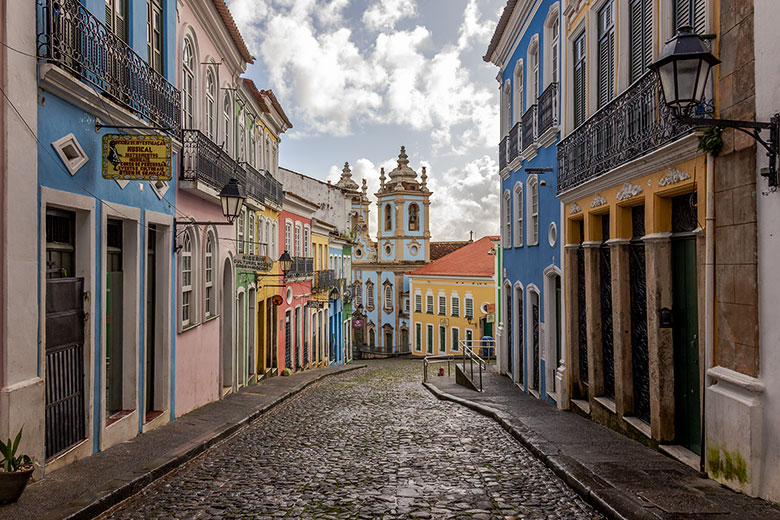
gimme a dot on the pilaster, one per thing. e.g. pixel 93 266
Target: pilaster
pixel 593 313
pixel 621 326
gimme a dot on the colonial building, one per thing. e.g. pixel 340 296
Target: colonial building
pixel 453 300
pixel 526 46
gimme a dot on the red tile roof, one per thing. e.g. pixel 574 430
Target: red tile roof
pixel 235 34
pixel 470 260
pixel 500 28
pixel 270 94
pixel 440 249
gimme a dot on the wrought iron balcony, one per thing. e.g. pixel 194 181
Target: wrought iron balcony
pixel 502 148
pixel 254 183
pixel 514 142
pixel 324 280
pixel 548 108
pixel 74 39
pixel 301 266
pixel 633 124
pixel 204 161
pixel 272 189
pixel 530 127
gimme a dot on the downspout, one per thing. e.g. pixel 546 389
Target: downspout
pixel 709 297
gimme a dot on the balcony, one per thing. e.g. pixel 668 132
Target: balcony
pixel 254 183
pixel 75 40
pixel 272 189
pixel 514 142
pixel 530 130
pixel 204 161
pixel 301 266
pixel 502 149
pixel 548 111
pixel 632 125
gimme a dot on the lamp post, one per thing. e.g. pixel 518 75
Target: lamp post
pixel 232 199
pixel 285 264
pixel 683 67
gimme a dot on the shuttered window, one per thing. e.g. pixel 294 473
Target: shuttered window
pixel 154 34
pixel 579 79
pixel 116 17
pixel 641 37
pixel 606 55
pixel 690 12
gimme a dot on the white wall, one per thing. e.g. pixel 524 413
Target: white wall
pixel 334 204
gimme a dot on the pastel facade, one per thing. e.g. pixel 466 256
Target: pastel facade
pixel 527 49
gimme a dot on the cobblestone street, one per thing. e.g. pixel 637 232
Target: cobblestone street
pixel 366 444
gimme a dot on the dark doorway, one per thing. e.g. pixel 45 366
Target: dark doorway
pixel 607 338
pixel 114 315
pixel 152 350
pixel 582 318
pixel 638 295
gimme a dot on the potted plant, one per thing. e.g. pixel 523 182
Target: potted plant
pixel 15 471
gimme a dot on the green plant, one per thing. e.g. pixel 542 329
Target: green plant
pixel 286 372
pixel 710 141
pixel 10 461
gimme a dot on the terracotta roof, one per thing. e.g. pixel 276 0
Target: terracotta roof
pixel 270 94
pixel 230 23
pixel 500 28
pixel 256 94
pixel 440 249
pixel 469 260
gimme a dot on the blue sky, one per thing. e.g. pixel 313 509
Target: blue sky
pixel 360 78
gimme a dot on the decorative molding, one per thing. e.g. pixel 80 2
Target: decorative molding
pixel 574 209
pixel 598 200
pixel 629 190
pixel 673 176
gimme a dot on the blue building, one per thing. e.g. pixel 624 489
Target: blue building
pixel 402 244
pixel 106 249
pixel 526 48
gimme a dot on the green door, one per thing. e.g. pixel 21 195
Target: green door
pixel 686 344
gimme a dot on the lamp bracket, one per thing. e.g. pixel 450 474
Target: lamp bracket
pixel 177 223
pixel 753 129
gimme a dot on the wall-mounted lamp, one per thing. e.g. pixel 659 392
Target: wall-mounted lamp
pixel 232 199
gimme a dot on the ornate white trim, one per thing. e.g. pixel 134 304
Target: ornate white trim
pixel 598 200
pixel 673 176
pixel 629 190
pixel 575 208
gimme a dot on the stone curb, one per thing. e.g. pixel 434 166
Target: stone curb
pixel 605 498
pixel 112 493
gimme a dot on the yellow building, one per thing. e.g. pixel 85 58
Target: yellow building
pixel 454 299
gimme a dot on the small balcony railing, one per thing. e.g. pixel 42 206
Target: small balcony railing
pixel 204 161
pixel 502 152
pixel 514 142
pixel 272 189
pixel 301 266
pixel 324 281
pixel 548 108
pixel 530 127
pixel 74 39
pixel 633 124
pixel 254 183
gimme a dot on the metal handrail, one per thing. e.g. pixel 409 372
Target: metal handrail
pixel 441 358
pixel 467 347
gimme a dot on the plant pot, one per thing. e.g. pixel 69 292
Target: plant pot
pixel 12 484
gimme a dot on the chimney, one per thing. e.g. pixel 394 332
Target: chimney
pixel 471 236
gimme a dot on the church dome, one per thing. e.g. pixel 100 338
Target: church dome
pixel 402 173
pixel 346 179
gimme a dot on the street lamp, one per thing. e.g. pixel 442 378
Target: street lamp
pixel 232 199
pixel 285 262
pixel 683 67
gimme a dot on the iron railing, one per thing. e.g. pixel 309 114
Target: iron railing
pixel 205 161
pixel 382 350
pixel 434 360
pixel 502 148
pixel 633 124
pixel 75 40
pixel 471 357
pixel 323 281
pixel 301 266
pixel 530 127
pixel 272 189
pixel 548 108
pixel 514 142
pixel 254 183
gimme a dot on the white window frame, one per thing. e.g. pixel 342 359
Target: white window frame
pixel 532 92
pixel 240 232
pixel 468 301
pixel 251 245
pixel 227 121
pixel 533 208
pixel 211 105
pixel 518 210
pixel 517 99
pixel 429 303
pixel 455 305
pixel 288 237
pixel 209 263
pixel 188 67
pixel 388 292
pixel 442 300
pixel 552 34
pixel 298 239
pixel 418 301
pixel 507 224
pixel 506 102
pixel 188 291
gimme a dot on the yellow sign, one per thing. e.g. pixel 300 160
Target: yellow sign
pixel 137 157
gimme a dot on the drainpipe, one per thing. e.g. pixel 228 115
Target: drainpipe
pixel 709 296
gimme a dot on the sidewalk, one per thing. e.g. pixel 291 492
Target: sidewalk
pixel 619 477
pixel 90 486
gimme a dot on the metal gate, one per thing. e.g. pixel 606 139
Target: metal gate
pixel 509 343
pixel 639 353
pixel 65 410
pixel 607 338
pixel 519 331
pixel 535 340
pixel 582 318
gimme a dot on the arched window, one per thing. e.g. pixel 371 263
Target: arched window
pixel 518 96
pixel 388 296
pixel 188 80
pixel 518 237
pixel 414 217
pixel 186 280
pixel 551 39
pixel 228 121
pixel 210 300
pixel 241 136
pixel 533 71
pixel 507 220
pixel 533 210
pixel 506 115
pixel 388 217
pixel 210 105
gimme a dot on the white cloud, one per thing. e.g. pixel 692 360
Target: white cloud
pixel 384 14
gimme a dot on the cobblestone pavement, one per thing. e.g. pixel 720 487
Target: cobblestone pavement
pixel 366 444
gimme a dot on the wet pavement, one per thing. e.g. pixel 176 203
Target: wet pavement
pixel 372 443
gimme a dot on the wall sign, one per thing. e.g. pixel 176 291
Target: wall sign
pixel 137 157
pixel 254 263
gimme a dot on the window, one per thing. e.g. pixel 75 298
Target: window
pixel 209 275
pixel 60 243
pixel 442 338
pixel 506 101
pixel 253 146
pixel 298 243
pixel 240 238
pixel 154 34
pixel 228 121
pixel 288 237
pixel 533 72
pixel 442 304
pixel 606 55
pixel 210 105
pixel 455 304
pixel 241 136
pixel 418 337
pixel 116 18
pixel 306 241
pixel 533 206
pixel 388 296
pixel 275 240
pixel 507 220
pixel 455 338
pixel 518 238
pixel 429 331
pixel 640 39
pixel 388 217
pixel 188 80
pixel 579 79
pixel 369 295
pixel 690 12
pixel 517 100
pixel 261 249
pixel 469 337
pixel 417 302
pixel 186 280
pixel 269 240
pixel 414 217
pixel 555 34
pixel 429 303
pixel 469 304
pixel 358 293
